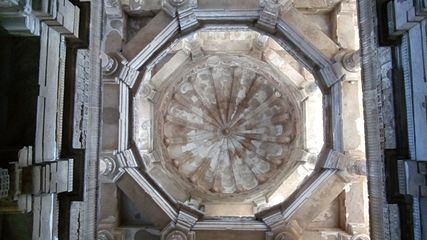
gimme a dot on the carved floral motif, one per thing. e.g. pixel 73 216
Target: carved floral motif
pixel 227 128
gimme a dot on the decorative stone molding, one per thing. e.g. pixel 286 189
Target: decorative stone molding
pixel 113 8
pixel 107 166
pixel 187 19
pixel 185 221
pixel 335 160
pixel 148 91
pixel 268 17
pixel 126 159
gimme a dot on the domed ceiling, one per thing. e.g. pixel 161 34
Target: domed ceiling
pixel 227 125
pixel 226 119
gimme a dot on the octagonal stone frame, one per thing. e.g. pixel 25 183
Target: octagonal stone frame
pixel 154 153
pixel 330 159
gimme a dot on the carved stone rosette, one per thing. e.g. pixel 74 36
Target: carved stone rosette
pixel 176 235
pixel 226 128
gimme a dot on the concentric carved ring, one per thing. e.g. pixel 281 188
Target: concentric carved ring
pixel 227 127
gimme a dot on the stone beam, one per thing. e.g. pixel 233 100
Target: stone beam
pixel 148 37
pixel 147 199
pixel 310 32
pixel 319 200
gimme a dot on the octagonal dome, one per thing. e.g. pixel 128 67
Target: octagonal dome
pixel 221 117
pixel 227 125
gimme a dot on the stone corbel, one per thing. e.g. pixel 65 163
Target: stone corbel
pixel 183 9
pixel 194 47
pixel 187 18
pixel 115 68
pixel 112 166
pixel 259 45
pixel 347 65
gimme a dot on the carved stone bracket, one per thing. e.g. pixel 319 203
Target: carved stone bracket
pixel 111 166
pixel 195 49
pixel 335 160
pixel 268 17
pixel 259 45
pixel 172 232
pixel 172 7
pixel 185 220
pixel 347 65
pixel 187 18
